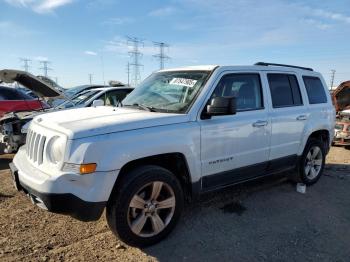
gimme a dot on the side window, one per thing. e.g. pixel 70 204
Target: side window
pixel 284 90
pixel 315 90
pixel 245 87
pixel 113 98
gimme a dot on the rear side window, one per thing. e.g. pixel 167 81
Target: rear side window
pixel 315 90
pixel 285 90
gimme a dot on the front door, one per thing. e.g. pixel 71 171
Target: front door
pixel 236 147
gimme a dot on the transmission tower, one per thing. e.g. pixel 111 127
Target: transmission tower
pixel 161 56
pixel 135 55
pixel 26 62
pixel 45 67
pixel 128 72
pixel 332 78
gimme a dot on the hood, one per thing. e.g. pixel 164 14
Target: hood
pixel 341 96
pixel 29 81
pixel 93 121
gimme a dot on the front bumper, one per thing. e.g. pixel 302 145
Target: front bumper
pixel 66 204
pixel 341 141
pixel 68 194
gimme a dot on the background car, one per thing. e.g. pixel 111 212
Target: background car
pixel 342 130
pixel 111 96
pixel 13 100
pixel 71 92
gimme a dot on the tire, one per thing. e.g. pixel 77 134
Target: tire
pixel 312 162
pixel 136 222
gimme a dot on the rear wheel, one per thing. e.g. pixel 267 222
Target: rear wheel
pixel 312 162
pixel 146 207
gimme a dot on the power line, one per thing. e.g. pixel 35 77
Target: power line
pixel 332 77
pixel 26 62
pixel 135 55
pixel 45 67
pixel 161 56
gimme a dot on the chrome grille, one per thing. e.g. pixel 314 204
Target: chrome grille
pixel 35 146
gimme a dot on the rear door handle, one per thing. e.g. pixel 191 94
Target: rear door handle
pixel 301 117
pixel 260 123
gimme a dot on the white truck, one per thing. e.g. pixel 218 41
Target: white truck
pixel 181 133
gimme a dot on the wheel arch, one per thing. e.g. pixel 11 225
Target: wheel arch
pixel 174 162
pixel 322 134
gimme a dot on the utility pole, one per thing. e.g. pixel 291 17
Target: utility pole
pixel 135 55
pixel 45 67
pixel 128 72
pixel 90 78
pixel 332 78
pixel 26 62
pixel 161 56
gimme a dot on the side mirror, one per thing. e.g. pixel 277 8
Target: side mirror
pixel 220 106
pixel 98 102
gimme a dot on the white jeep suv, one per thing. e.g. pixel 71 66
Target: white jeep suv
pixel 181 133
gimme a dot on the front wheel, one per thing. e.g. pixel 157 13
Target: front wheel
pixel 146 207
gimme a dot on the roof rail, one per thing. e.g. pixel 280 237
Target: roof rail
pixel 273 64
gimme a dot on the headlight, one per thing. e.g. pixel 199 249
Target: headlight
pixel 55 149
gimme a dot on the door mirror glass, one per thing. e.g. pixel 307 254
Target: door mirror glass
pixel 219 106
pixel 97 102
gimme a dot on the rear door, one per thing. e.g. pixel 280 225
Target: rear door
pixel 288 117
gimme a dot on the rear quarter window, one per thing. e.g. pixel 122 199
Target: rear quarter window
pixel 315 90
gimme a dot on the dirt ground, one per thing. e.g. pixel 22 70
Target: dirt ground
pixel 265 220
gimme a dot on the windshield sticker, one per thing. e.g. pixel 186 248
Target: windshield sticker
pixel 183 82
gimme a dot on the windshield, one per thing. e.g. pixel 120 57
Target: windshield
pixel 79 99
pixel 74 90
pixel 168 91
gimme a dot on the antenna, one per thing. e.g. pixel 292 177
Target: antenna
pixel 90 78
pixel 135 54
pixel 26 62
pixel 45 67
pixel 161 56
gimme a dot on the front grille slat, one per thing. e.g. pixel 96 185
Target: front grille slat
pixel 31 153
pixel 41 150
pixel 28 141
pixel 35 146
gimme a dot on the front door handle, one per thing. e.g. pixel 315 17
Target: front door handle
pixel 301 117
pixel 260 123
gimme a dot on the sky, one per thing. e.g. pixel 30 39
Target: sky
pixel 82 37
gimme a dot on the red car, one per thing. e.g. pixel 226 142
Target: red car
pixel 12 100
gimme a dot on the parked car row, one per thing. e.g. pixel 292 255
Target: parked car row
pixel 18 113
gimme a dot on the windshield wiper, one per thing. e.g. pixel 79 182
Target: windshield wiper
pixel 144 107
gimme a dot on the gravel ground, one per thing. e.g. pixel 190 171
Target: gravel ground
pixel 265 220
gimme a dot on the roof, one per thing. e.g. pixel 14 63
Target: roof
pixel 191 68
pixel 268 67
pixel 108 88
